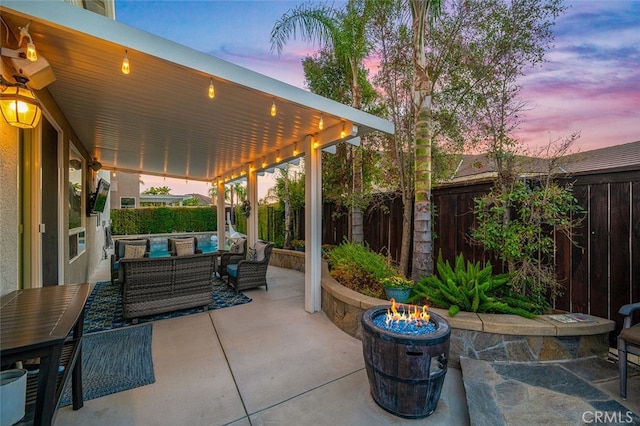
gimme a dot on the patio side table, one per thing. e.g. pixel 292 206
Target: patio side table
pixel 37 323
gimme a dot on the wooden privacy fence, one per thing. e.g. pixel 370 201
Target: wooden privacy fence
pixel 600 273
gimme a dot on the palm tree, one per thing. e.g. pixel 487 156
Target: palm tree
pixel 344 32
pixel 422 11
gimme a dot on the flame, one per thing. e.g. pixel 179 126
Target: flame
pixel 408 313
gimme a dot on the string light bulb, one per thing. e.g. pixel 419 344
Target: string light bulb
pixel 273 108
pixel 321 123
pixel 343 132
pixel 264 162
pixel 278 158
pixel 212 90
pixel 126 69
pixel 295 150
pixel 32 55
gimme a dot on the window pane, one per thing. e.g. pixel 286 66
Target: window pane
pixel 75 189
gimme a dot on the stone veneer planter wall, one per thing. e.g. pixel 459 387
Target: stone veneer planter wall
pixel 288 259
pixel 490 337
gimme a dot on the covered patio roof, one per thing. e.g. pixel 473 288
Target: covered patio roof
pixel 158 119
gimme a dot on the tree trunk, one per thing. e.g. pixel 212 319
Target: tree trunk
pixel 405 248
pixel 287 211
pixel 357 234
pixel 357 221
pixel 422 236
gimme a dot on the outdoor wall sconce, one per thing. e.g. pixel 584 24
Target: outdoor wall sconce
pixel 18 103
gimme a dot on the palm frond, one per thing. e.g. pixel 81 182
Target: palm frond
pixel 311 22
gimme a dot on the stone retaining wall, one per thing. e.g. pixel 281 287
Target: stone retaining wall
pixel 490 337
pixel 288 259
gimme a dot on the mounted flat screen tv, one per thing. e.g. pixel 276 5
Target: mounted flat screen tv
pixel 99 199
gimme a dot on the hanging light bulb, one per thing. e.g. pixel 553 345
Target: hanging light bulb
pixel 278 158
pixel 273 108
pixel 321 123
pixel 264 162
pixel 295 150
pixel 343 132
pixel 126 69
pixel 212 90
pixel 32 55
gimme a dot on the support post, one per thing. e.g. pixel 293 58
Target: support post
pixel 312 226
pixel 252 197
pixel 221 215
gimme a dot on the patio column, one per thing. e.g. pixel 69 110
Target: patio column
pixel 312 226
pixel 220 214
pixel 252 196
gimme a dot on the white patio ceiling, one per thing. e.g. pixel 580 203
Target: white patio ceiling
pixel 159 119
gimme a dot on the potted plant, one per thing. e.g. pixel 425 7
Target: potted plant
pixel 298 245
pixel 397 287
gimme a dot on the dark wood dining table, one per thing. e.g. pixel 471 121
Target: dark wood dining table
pixel 45 323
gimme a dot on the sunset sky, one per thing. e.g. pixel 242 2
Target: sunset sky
pixel 590 83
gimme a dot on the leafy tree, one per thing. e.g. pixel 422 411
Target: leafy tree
pixel 519 223
pixel 344 32
pixel 160 190
pixel 325 75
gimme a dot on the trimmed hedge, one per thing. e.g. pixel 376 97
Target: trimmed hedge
pixel 163 220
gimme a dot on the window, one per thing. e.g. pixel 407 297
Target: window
pixel 127 202
pixel 77 244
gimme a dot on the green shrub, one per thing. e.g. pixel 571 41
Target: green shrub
pixel 161 220
pixel 358 268
pixel 471 288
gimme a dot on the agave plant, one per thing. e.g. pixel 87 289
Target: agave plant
pixel 471 288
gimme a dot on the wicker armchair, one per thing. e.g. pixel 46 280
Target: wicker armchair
pixel 232 257
pixel 251 273
pixel 628 342
pixel 118 253
pixel 171 245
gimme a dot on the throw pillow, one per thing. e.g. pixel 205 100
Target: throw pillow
pixel 184 247
pixel 134 251
pixel 259 249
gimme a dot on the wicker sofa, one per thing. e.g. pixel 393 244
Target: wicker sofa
pixel 164 284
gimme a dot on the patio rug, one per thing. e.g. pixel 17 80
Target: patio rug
pixel 114 361
pixel 103 310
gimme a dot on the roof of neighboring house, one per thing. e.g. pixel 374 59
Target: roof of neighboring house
pixel 163 198
pixel 477 167
pixel 203 200
pixel 618 157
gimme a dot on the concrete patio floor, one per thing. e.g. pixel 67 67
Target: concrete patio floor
pixel 267 362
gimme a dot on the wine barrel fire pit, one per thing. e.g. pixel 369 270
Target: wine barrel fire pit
pixel 406 351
